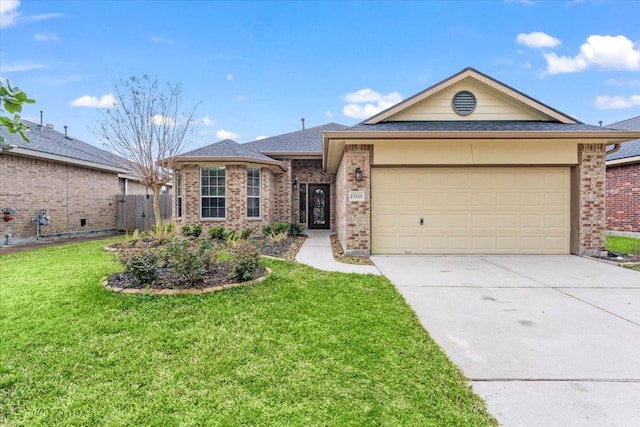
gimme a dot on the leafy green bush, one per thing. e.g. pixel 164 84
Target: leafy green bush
pixel 267 230
pixel 246 256
pixel 196 230
pixel 218 233
pixel 295 229
pixel 142 263
pixel 280 227
pixel 189 259
pixel 186 230
pixel 246 233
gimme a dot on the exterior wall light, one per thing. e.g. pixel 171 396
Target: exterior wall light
pixel 358 174
pixel 295 182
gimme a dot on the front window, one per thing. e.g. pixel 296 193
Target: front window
pixel 212 192
pixel 253 193
pixel 179 194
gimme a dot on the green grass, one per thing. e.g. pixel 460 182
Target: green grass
pixel 622 244
pixel 302 348
pixel 625 245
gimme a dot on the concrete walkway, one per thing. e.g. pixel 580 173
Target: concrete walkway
pixel 316 252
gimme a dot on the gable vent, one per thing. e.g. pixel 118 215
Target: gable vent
pixel 464 102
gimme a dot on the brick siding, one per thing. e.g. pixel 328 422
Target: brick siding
pixel 275 202
pixel 591 209
pixel 68 192
pixel 353 223
pixel 623 197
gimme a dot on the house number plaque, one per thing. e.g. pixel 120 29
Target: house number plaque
pixel 356 196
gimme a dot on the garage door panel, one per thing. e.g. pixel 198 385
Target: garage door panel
pixel 498 210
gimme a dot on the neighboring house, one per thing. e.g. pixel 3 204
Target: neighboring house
pixel 75 182
pixel 469 165
pixel 623 182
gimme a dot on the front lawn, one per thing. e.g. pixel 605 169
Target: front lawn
pixel 302 348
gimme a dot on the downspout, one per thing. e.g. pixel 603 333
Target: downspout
pixel 615 148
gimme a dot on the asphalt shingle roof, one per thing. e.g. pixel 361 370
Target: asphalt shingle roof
pixel 227 148
pixel 50 141
pixel 627 149
pixel 474 126
pixel 302 141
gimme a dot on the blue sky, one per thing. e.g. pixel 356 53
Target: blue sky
pixel 258 67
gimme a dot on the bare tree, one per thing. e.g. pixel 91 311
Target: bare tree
pixel 146 127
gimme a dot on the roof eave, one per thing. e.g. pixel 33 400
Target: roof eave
pixel 608 135
pixel 18 151
pixel 234 159
pixel 625 161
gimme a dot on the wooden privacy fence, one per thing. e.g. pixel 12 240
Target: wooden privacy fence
pixel 136 212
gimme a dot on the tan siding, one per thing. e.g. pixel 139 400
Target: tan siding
pixel 491 105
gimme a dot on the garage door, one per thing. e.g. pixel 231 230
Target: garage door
pixel 475 210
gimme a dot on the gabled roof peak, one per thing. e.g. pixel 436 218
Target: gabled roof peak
pixel 484 80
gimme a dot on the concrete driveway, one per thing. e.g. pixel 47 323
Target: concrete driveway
pixel 545 340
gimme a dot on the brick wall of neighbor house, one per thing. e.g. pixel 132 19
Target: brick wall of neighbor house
pixel 137 188
pixel 236 203
pixel 623 197
pixel 353 219
pixel 591 209
pixel 310 172
pixel 69 193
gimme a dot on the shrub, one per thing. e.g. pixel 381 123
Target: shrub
pixel 142 263
pixel 196 230
pixel 246 255
pixel 246 233
pixel 162 232
pixel 278 237
pixel 280 227
pixel 267 230
pixel 296 229
pixel 186 230
pixel 232 238
pixel 189 259
pixel 218 233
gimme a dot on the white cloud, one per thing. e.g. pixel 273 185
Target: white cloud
pixel 261 137
pixel 365 103
pixel 328 114
pixel 106 101
pixel 43 17
pixel 537 40
pixel 602 52
pixel 21 66
pixel 159 39
pixel 160 120
pixel 229 77
pixel 208 121
pixel 607 102
pixel 45 37
pixel 623 82
pixel 226 134
pixel 8 12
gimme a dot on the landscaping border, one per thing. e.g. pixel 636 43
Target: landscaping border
pixel 151 291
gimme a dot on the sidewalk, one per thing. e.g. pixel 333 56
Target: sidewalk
pixel 316 252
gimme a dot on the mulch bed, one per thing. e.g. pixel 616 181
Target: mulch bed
pixel 219 276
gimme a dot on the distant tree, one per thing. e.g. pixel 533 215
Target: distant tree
pixel 146 127
pixel 11 99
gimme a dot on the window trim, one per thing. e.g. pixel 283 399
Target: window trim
pixel 259 196
pixel 202 197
